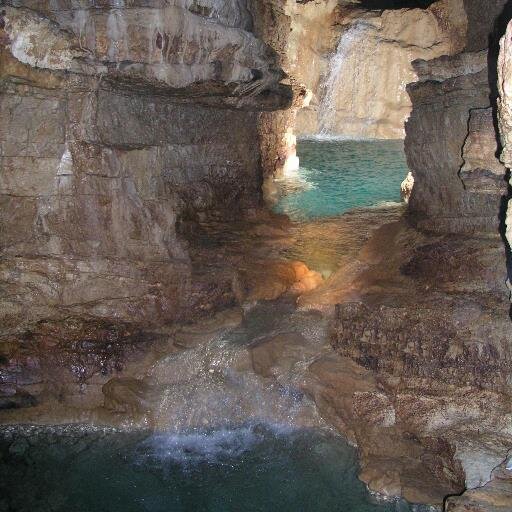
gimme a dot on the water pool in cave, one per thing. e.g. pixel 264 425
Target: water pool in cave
pixel 338 175
pixel 251 468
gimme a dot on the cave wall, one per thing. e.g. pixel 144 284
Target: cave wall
pixel 504 68
pixel 443 356
pixel 451 137
pixel 378 47
pixel 122 124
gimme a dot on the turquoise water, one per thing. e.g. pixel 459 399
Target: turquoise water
pixel 250 468
pixel 338 175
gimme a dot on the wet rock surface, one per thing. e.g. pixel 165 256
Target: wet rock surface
pixel 435 337
pixel 361 46
pixel 68 360
pixel 119 124
pixel 130 195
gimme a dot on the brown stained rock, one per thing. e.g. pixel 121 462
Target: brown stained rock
pixel 483 23
pixel 439 341
pixel 394 461
pixel 90 201
pixel 61 358
pixel 430 329
pixel 190 336
pixel 127 395
pixel 451 146
pixel 268 280
pixel 109 139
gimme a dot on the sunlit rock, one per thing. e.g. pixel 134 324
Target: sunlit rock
pixel 505 111
pixel 269 280
pixel 406 187
pixel 348 56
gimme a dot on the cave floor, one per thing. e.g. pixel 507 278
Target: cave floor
pixel 285 320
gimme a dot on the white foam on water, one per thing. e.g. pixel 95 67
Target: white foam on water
pixel 325 137
pixel 385 204
pixel 220 446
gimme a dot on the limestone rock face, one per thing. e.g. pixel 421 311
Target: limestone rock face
pixel 120 123
pixel 505 111
pixel 482 171
pixel 93 183
pixel 494 496
pixel 451 136
pixel 430 330
pixel 358 63
pixel 451 147
pixel 176 45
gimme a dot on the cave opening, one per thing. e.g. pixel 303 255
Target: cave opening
pixel 355 75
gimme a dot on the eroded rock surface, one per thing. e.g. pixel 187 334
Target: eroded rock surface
pixel 494 496
pixel 121 123
pixel 431 327
pixel 505 112
pixel 365 55
pixel 440 166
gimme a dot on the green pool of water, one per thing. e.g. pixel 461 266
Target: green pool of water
pixel 249 468
pixel 338 175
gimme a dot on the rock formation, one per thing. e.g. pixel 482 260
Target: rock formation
pixel 134 144
pixel 357 62
pixel 436 336
pixel 505 115
pixel 119 125
pixel 451 140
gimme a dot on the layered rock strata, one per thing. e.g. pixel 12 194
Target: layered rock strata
pixel 429 322
pixel 451 136
pixel 430 329
pixel 452 149
pixel 119 125
pixel 505 116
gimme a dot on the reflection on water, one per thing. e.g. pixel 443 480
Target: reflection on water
pixel 253 467
pixel 338 175
pixel 325 244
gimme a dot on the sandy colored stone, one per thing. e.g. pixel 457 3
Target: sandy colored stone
pixel 279 354
pixel 268 280
pixel 377 64
pixel 505 110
